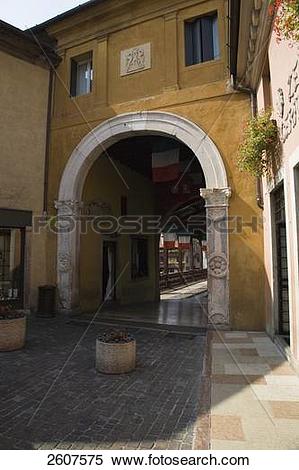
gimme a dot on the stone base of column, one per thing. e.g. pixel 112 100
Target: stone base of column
pixel 68 248
pixel 218 260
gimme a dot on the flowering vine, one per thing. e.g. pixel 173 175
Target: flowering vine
pixel 286 22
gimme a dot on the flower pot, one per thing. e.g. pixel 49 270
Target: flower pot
pixel 115 358
pixel 12 333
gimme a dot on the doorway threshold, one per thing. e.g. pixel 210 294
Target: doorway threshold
pixel 86 319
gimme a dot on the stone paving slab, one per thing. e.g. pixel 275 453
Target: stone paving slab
pixel 52 397
pixel 184 292
pixel 254 404
pixel 176 312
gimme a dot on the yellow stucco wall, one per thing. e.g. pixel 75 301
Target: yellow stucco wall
pixel 199 93
pixel 23 117
pixel 104 184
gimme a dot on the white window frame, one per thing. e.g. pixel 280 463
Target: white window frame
pixel 77 62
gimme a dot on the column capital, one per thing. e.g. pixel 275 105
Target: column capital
pixel 216 197
pixel 69 207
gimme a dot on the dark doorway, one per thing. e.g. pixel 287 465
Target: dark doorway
pixel 109 270
pixel 282 263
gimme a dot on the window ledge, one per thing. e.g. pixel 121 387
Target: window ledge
pixel 81 96
pixel 203 64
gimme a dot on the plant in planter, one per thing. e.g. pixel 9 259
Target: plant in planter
pixel 258 152
pixel 115 352
pixel 12 328
pixel 286 21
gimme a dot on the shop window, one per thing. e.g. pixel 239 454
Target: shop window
pixel 139 258
pixel 201 39
pixel 11 266
pixel 81 74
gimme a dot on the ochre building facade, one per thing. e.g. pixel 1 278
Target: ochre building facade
pixel 24 80
pixel 199 95
pixel 129 72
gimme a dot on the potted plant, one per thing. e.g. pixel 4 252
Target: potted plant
pixel 12 328
pixel 115 352
pixel 258 153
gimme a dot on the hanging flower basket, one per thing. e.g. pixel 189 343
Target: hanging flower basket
pixel 115 353
pixel 258 149
pixel 12 329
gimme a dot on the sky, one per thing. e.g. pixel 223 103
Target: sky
pixel 26 13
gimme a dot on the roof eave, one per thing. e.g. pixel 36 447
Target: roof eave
pixel 253 41
pixel 27 47
pixel 65 15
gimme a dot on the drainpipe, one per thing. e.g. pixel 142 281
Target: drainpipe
pixel 253 100
pixel 47 150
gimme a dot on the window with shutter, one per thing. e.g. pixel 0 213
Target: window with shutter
pixel 201 39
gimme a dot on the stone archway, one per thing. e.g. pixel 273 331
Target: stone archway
pixel 216 195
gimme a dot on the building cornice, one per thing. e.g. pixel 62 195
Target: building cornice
pixel 22 45
pixel 56 20
pixel 253 40
pixel 110 17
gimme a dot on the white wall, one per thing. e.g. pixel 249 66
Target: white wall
pixel 284 72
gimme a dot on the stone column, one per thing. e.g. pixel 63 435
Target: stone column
pixel 218 259
pixel 68 251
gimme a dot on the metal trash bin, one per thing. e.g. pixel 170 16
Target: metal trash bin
pixel 46 301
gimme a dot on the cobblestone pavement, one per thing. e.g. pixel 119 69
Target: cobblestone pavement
pixel 46 402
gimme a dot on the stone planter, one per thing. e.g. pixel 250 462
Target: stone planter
pixel 115 357
pixel 12 333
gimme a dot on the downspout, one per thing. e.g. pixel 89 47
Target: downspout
pixel 47 149
pixel 234 17
pixel 259 182
pixel 253 101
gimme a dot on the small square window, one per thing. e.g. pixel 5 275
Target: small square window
pixel 81 74
pixel 201 39
pixel 139 258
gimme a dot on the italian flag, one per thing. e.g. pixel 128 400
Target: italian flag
pixel 165 161
pixel 184 242
pixel 169 240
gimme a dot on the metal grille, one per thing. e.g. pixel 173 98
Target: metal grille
pixel 282 261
